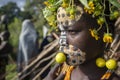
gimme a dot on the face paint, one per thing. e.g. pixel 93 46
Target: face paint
pixel 74 55
pixel 64 19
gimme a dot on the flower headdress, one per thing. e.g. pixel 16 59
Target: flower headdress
pixel 96 8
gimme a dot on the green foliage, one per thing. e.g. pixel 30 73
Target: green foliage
pixel 11 9
pixel 33 8
pixel 115 3
pixel 11 71
pixel 50 12
pixel 47 12
pixel 25 15
pixel 84 2
pixel 15 25
pixel 15 28
pixel 39 25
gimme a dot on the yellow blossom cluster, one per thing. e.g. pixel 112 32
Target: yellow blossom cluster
pixel 90 9
pixel 107 38
pixel 94 33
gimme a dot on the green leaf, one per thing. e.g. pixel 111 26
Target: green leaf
pixel 58 2
pixel 84 2
pixel 51 1
pixel 115 3
pixel 47 12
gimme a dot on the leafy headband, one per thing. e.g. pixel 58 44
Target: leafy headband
pixel 96 8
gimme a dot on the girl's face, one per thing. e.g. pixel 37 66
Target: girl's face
pixel 79 36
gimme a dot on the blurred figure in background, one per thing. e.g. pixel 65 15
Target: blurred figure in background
pixel 28 45
pixel 5 46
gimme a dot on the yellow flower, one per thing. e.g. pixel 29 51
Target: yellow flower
pixel 53 24
pixel 94 33
pixel 46 3
pixel 91 8
pixel 72 17
pixel 64 5
pixel 107 38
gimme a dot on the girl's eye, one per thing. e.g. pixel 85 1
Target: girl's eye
pixel 73 32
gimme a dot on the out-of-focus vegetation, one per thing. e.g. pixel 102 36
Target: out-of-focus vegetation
pixel 15 18
pixel 11 71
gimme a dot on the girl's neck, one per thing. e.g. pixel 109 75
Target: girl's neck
pixel 90 69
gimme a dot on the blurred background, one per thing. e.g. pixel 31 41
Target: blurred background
pixel 17 11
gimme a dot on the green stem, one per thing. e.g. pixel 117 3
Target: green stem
pixel 99 28
pixel 103 8
pixel 106 26
pixel 104 17
pixel 110 7
pixel 72 3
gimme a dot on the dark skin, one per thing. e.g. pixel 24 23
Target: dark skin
pixel 93 48
pixel 52 75
pixel 79 36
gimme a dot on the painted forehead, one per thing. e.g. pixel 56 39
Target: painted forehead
pixel 64 19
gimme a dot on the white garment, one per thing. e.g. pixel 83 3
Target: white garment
pixel 28 47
